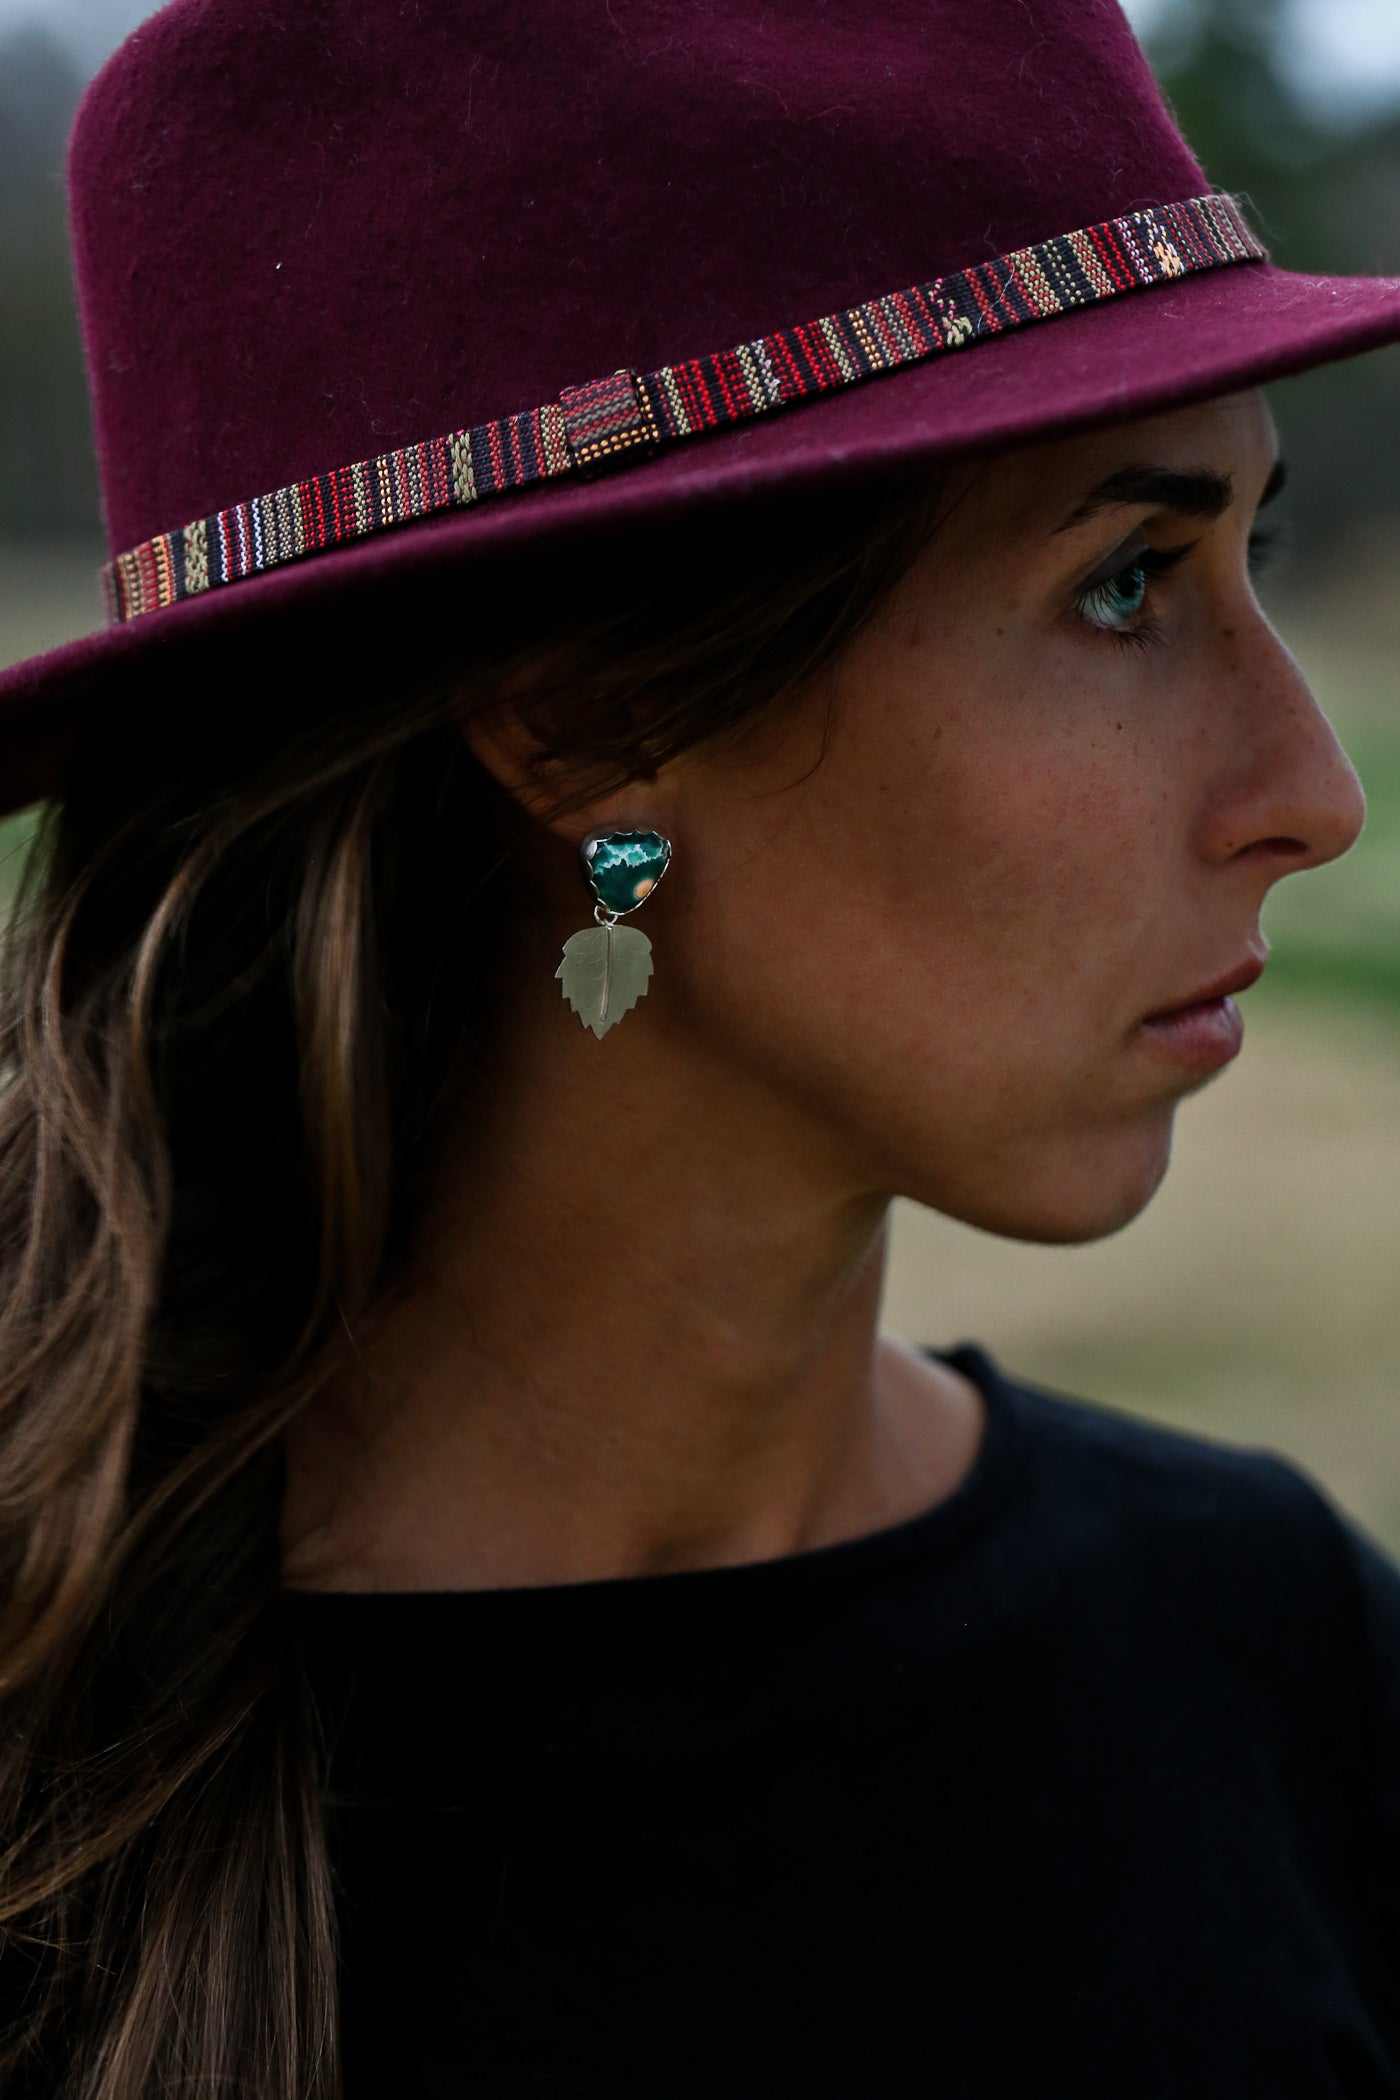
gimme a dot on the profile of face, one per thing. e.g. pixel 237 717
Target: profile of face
pixel 934 920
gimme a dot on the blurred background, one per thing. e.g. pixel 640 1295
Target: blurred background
pixel 1258 1300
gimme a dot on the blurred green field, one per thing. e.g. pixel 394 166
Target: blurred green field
pixel 1258 1299
pixel 1337 930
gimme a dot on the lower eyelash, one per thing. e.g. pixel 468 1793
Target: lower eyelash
pixel 1144 637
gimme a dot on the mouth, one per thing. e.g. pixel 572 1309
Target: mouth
pixel 1205 1030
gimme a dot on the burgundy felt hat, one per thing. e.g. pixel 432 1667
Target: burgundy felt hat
pixel 371 287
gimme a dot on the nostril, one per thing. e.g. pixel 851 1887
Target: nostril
pixel 1276 848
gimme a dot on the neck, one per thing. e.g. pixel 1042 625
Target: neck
pixel 639 1333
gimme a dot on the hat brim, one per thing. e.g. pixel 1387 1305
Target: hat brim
pixel 1166 346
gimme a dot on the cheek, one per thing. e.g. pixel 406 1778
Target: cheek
pixel 933 945
pixel 960 871
pixel 931 923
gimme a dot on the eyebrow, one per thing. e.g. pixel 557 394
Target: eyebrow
pixel 1197 493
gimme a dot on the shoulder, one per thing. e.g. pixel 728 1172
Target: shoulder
pixel 1230 1553
pixel 1114 1473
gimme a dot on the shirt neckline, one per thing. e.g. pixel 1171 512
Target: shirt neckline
pixel 931 1533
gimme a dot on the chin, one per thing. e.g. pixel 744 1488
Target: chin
pixel 1093 1191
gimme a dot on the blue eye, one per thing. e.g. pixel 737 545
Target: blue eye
pixel 1116 603
pixel 1113 604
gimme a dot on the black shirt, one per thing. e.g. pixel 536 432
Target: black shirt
pixel 1086 1782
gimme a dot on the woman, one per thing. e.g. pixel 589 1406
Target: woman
pixel 487 1613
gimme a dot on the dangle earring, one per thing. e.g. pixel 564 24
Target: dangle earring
pixel 607 968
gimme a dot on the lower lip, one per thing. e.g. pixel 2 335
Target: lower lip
pixel 1204 1037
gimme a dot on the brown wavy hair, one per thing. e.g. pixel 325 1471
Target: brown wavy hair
pixel 254 944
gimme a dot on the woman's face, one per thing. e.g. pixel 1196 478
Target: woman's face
pixel 1065 765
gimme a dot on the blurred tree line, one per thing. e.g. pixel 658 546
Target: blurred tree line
pixel 1324 190
pixel 1325 193
pixel 48 480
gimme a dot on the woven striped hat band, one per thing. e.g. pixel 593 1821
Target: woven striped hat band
pixel 631 415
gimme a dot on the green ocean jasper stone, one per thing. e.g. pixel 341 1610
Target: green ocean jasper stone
pixel 624 867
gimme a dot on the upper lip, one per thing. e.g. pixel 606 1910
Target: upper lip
pixel 1239 979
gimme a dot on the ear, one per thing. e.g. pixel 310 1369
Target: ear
pixel 549 792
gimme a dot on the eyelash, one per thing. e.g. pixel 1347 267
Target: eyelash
pixel 1154 563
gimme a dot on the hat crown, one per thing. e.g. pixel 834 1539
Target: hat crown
pixel 308 231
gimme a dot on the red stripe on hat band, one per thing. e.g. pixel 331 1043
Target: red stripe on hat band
pixel 607 422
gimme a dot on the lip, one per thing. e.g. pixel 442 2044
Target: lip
pixel 1205 1031
pixel 1237 980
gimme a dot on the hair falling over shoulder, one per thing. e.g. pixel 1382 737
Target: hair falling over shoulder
pixel 247 963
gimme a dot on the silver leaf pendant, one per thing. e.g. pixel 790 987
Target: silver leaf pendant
pixel 605 971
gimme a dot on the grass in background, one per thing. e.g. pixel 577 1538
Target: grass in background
pixel 16 837
pixel 1336 931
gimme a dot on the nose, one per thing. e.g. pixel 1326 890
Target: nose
pixel 1292 800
